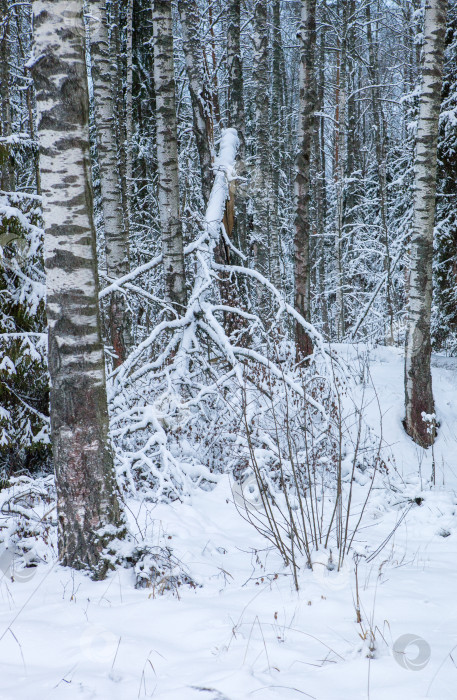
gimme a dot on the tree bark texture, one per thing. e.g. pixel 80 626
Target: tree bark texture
pixel 87 506
pixel 6 162
pixel 116 234
pixel 167 157
pixel 418 378
pixel 261 184
pixel 199 92
pixel 307 108
pixel 339 168
pixel 277 142
pixel 236 113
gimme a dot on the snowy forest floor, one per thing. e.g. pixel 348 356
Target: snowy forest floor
pixel 244 632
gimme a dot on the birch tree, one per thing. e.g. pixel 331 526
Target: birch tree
pixel 419 403
pixel 262 178
pixel 307 106
pixel 199 92
pixel 235 107
pixel 167 157
pixel 87 507
pixel 277 142
pixel 116 232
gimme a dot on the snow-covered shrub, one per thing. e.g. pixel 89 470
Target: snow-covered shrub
pixel 24 422
pixel 306 453
pixel 27 525
pixel 158 569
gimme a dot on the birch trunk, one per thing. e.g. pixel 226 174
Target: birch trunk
pixel 199 93
pixel 116 235
pixel 307 108
pixel 418 378
pixel 167 157
pixel 87 507
pixel 277 143
pixel 118 71
pixel 321 188
pixel 262 177
pixel 236 113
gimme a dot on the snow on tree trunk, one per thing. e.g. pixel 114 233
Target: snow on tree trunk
pixel 116 235
pixel 235 116
pixel 339 171
pixel 307 106
pixel 87 507
pixel 6 162
pixel 199 93
pixel 167 157
pixel 418 378
pixel 261 184
pixel 277 143
pixel 235 111
pixel 321 187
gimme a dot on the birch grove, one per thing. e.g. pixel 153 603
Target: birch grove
pixel 213 216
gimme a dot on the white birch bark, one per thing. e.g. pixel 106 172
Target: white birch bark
pixel 235 111
pixel 277 143
pixel 116 233
pixel 167 157
pixel 199 93
pixel 87 507
pixel 418 379
pixel 262 179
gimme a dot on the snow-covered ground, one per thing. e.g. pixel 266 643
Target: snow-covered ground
pixel 244 632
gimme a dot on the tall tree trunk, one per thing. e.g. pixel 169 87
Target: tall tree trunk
pixel 236 112
pixel 262 176
pixel 236 115
pixel 277 143
pixel 307 108
pixel 7 169
pixel 321 187
pixel 116 235
pixel 87 507
pixel 339 172
pixel 418 378
pixel 167 157
pixel 119 73
pixel 199 92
